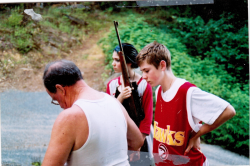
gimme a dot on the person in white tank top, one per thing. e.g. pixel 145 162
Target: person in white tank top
pixel 93 129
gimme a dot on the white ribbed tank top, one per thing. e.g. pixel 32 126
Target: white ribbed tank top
pixel 106 144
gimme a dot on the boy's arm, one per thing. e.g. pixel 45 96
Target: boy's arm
pixel 227 114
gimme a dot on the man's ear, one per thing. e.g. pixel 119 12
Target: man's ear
pixel 60 89
pixel 163 65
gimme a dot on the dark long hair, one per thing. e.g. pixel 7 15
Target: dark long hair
pixel 130 53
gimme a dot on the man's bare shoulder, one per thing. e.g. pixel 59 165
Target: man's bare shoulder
pixel 70 117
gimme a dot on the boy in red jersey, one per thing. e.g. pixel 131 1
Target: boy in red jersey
pixel 180 109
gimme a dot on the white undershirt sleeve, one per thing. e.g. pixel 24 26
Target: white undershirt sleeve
pixel 156 92
pixel 205 106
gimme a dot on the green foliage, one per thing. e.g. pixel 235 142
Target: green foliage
pixel 25 35
pixel 135 31
pixel 212 78
pixel 20 37
pixel 204 72
pixel 217 40
pixel 57 19
pixel 36 163
pixel 47 23
pixel 23 44
pixel 14 19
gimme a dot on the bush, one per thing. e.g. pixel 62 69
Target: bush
pixel 24 34
pixel 217 40
pixel 14 19
pixel 205 73
pixel 19 36
pixel 22 39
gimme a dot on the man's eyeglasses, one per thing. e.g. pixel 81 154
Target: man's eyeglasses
pixel 54 102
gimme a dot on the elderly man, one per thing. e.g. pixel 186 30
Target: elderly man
pixel 93 129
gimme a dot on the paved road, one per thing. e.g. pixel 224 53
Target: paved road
pixel 219 156
pixel 26 122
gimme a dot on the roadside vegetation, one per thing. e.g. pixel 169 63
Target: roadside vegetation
pixel 211 52
pixel 63 27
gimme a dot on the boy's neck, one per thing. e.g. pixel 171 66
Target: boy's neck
pixel 168 80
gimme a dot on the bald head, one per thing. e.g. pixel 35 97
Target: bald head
pixel 62 72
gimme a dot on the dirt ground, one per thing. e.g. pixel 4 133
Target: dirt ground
pixel 88 57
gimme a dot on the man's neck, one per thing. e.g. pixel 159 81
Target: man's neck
pixel 76 91
pixel 83 91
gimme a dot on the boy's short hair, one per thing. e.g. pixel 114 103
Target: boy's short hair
pixel 154 53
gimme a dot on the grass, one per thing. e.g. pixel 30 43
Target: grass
pixel 27 43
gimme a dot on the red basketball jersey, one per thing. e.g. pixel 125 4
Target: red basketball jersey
pixel 172 131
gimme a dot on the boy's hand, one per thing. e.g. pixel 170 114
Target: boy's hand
pixel 193 143
pixel 197 143
pixel 227 114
